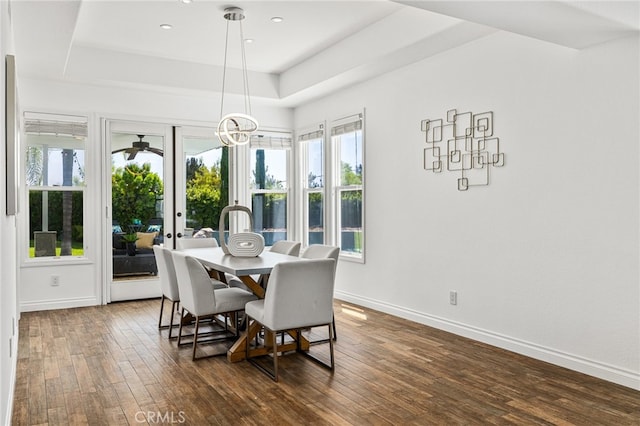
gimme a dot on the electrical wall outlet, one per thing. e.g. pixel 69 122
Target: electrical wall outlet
pixel 453 297
pixel 55 280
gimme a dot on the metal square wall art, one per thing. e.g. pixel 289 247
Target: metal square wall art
pixel 464 143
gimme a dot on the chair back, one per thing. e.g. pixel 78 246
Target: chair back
pixel 196 291
pixel 187 243
pixel 321 251
pixel 292 248
pixel 290 305
pixel 167 272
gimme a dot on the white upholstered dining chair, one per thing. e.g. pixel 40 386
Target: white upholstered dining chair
pixel 288 247
pixel 185 243
pixel 292 248
pixel 200 299
pixel 168 284
pixel 322 251
pixel 219 280
pixel 288 305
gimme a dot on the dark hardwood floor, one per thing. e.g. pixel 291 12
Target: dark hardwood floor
pixel 109 365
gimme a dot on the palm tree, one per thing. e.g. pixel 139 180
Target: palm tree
pixel 67 202
pixel 34 166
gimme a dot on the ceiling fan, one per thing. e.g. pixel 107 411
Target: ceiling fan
pixel 137 146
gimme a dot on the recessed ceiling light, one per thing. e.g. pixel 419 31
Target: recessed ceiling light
pixel 186 1
pixel 166 26
pixel 248 40
pixel 277 19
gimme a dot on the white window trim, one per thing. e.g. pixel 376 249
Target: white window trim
pixel 88 198
pixel 269 139
pixel 310 133
pixel 331 189
pixel 337 189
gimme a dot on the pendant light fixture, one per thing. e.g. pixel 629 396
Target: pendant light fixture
pixel 236 128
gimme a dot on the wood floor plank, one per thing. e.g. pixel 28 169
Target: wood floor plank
pixel 110 365
pixel 55 393
pixel 75 407
pixel 83 374
pixel 57 416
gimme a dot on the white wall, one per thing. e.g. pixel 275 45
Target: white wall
pixel 545 259
pixel 80 283
pixel 8 311
pixel 173 107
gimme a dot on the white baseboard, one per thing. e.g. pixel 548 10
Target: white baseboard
pixel 46 305
pixel 597 369
pixel 12 382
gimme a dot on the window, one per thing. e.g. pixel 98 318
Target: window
pixel 55 179
pixel 348 178
pixel 313 185
pixel 269 185
pixel 332 179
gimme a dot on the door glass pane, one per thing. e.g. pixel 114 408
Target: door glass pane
pixel 137 191
pixel 206 185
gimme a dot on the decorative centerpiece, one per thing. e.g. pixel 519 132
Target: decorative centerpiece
pixel 241 244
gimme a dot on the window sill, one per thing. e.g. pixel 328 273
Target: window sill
pixel 352 258
pixel 55 261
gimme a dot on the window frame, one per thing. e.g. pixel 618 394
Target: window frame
pixel 304 137
pixel 277 141
pixel 81 126
pixel 332 188
pixel 337 188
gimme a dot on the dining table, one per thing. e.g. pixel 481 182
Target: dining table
pixel 245 268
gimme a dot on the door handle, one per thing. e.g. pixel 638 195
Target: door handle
pixel 178 235
pixel 169 235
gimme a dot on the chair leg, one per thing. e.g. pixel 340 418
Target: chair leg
pixel 331 339
pixel 202 338
pixel 180 329
pixel 195 339
pixel 174 308
pixel 274 342
pixel 335 333
pixel 246 355
pixel 331 365
pixel 273 374
pixel 161 309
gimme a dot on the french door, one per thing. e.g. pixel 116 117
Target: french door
pixel 165 182
pixel 139 200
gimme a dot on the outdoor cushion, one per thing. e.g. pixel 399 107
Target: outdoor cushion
pixel 145 239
